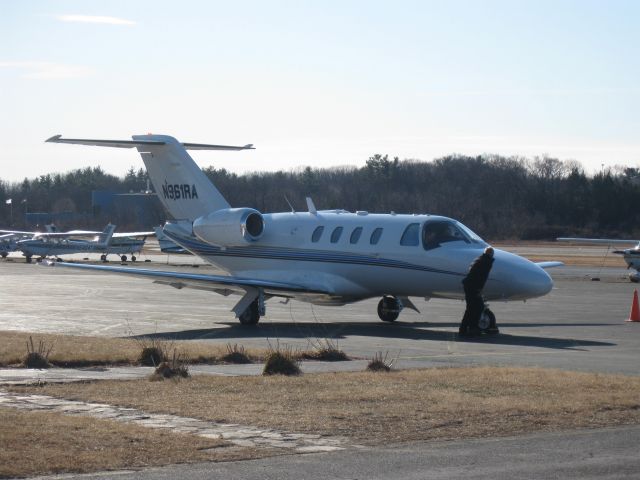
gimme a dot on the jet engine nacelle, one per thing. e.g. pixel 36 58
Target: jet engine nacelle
pixel 230 227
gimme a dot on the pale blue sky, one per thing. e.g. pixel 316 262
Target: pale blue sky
pixel 319 83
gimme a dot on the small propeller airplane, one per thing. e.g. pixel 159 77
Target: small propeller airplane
pixel 630 255
pixel 328 257
pixel 54 243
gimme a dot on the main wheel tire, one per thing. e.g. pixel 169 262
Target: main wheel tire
pixel 4 254
pixel 28 259
pixel 487 320
pixel 251 316
pixel 123 258
pixel 133 258
pixel 103 258
pixel 388 309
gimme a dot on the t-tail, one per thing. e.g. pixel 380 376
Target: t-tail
pixel 182 187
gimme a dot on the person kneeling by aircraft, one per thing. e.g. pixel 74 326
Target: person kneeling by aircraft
pixel 476 309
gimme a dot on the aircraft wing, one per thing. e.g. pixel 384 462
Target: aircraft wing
pixel 132 234
pixel 16 232
pixel 598 241
pixel 75 233
pixel 549 264
pixel 222 284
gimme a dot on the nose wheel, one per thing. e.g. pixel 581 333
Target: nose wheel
pixel 487 322
pixel 389 308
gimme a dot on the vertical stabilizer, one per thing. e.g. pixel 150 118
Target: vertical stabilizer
pixel 182 187
pixel 104 239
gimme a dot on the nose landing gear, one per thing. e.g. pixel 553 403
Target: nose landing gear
pixel 487 322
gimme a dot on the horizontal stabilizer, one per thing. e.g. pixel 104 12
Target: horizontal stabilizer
pixel 142 143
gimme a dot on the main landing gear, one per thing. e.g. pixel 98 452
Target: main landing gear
pixel 251 316
pixel 389 308
pixel 255 309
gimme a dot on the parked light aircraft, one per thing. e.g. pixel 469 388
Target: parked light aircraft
pixel 330 257
pixel 631 255
pixel 9 243
pixel 9 238
pixel 54 243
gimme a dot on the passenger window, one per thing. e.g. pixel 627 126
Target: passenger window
pixel 317 233
pixel 335 235
pixel 411 235
pixel 437 232
pixel 375 236
pixel 355 235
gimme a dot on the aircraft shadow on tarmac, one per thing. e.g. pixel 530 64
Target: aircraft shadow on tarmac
pixel 399 330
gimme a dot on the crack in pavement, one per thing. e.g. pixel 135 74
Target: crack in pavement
pixel 240 435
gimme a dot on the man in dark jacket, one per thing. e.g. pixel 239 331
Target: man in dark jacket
pixel 473 284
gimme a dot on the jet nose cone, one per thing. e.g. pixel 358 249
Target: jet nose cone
pixel 521 279
pixel 539 282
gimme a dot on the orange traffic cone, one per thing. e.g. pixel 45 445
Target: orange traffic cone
pixel 634 315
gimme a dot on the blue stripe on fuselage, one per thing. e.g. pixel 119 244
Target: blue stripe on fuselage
pixel 306 255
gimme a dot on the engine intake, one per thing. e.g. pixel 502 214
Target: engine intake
pixel 230 227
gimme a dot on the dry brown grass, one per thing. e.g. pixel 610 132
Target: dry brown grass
pixel 400 406
pixel 39 443
pixel 76 351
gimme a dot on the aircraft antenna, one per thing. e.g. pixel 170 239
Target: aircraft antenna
pixel 311 206
pixel 287 200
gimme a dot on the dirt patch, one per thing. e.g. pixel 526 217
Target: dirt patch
pixel 370 408
pixel 76 351
pixel 37 443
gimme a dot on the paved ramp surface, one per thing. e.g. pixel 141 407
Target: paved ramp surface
pixel 587 454
pixel 578 326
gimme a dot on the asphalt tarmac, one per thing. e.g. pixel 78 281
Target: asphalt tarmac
pixel 580 326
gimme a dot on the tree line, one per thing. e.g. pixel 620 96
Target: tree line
pixel 499 197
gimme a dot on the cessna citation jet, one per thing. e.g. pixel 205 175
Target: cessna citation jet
pixel 324 257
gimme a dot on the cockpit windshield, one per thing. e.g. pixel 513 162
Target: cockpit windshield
pixel 473 236
pixel 437 232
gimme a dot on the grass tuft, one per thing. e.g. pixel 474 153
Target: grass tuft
pixel 176 367
pixel 281 361
pixel 235 354
pixel 325 350
pixel 153 351
pixel 380 363
pixel 37 357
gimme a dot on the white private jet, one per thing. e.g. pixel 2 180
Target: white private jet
pixel 324 257
pixel 631 255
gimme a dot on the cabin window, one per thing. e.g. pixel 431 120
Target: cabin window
pixel 437 232
pixel 335 235
pixel 317 233
pixel 411 235
pixel 375 236
pixel 355 235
